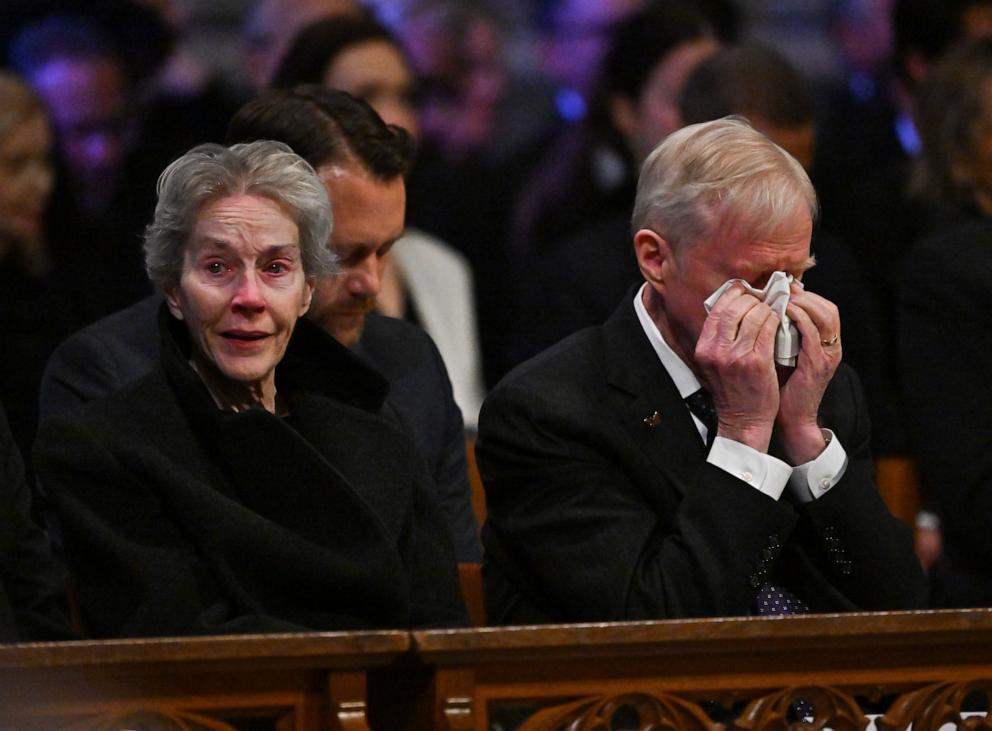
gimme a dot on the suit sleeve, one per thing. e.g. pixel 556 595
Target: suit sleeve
pixel 451 474
pixel 860 551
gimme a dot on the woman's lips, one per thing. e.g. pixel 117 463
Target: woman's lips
pixel 244 338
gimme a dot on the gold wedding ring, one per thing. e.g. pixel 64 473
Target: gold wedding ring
pixel 831 341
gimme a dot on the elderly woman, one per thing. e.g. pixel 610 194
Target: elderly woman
pixel 245 485
pixel 945 321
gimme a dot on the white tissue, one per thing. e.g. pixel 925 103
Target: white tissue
pixel 775 294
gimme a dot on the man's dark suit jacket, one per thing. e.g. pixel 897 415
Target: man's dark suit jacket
pixel 600 510
pixel 945 337
pixel 122 347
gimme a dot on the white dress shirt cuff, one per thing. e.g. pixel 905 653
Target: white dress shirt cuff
pixel 762 471
pixel 812 480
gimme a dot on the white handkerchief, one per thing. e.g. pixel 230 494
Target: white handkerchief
pixel 776 295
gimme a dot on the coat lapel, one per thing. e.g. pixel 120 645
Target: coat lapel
pixel 647 400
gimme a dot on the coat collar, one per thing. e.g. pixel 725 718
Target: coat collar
pixel 651 408
pixel 314 362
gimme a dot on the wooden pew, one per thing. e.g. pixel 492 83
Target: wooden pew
pixel 281 682
pixel 751 670
pixel 701 675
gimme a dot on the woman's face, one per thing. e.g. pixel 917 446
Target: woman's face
pixel 25 178
pixel 242 287
pixel 376 72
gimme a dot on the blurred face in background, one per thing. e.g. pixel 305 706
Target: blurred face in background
pixel 463 80
pixel 87 102
pixel 26 178
pixel 647 121
pixel 271 26
pixel 377 72
pixel 574 45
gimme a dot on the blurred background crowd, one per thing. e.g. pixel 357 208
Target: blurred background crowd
pixel 531 119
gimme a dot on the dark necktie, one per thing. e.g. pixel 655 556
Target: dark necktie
pixel 700 404
pixel 770 599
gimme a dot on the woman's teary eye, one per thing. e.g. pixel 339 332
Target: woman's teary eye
pixel 215 267
pixel 276 267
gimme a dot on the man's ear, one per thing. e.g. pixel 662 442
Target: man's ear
pixel 654 257
pixel 171 294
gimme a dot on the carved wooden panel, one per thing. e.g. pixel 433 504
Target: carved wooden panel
pixel 929 708
pixel 654 711
pixel 809 707
pixel 159 720
pixel 797 708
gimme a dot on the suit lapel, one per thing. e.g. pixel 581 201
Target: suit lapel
pixel 649 404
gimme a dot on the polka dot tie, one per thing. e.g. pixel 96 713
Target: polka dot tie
pixel 700 404
pixel 772 599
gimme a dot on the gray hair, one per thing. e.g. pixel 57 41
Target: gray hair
pixel 706 174
pixel 209 172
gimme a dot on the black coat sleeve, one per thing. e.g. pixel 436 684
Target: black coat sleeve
pixel 32 582
pixel 136 573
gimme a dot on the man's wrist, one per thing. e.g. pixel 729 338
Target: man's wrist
pixel 803 444
pixel 755 436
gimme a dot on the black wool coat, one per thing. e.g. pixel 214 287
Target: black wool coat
pixel 179 518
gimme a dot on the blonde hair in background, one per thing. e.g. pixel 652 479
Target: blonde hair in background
pixel 17 103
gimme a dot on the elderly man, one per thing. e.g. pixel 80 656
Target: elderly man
pixel 664 464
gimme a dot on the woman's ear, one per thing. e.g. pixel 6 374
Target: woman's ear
pixel 654 257
pixel 308 286
pixel 171 294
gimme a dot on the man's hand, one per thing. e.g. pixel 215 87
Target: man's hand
pixel 735 356
pixel 819 324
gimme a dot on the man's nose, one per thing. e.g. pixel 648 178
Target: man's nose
pixel 248 293
pixel 366 279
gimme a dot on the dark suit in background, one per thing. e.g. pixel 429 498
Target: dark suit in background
pixel 945 337
pixel 598 512
pixel 122 347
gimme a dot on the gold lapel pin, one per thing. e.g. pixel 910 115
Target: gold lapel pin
pixel 653 420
